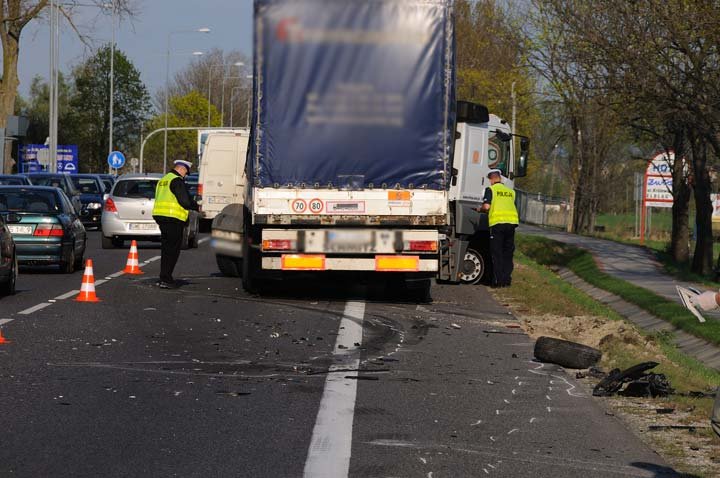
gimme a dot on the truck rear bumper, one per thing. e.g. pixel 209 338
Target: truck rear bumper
pixel 322 263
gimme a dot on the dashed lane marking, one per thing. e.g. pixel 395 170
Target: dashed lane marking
pixel 34 308
pixel 5 321
pixel 67 295
pixel 331 443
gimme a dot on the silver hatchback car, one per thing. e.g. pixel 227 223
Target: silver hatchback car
pixel 127 213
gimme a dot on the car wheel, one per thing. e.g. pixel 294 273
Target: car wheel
pixel 472 268
pixel 9 287
pixel 108 243
pixel 68 266
pixel 79 261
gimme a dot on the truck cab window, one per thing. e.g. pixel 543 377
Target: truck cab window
pixel 498 154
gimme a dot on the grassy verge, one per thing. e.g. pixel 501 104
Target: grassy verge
pixel 539 297
pixel 552 253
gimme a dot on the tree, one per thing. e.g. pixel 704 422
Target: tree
pixel 91 107
pixel 14 17
pixel 209 68
pixel 189 110
pixel 36 109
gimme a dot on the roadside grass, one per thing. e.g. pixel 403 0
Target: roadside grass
pixel 552 253
pixel 537 291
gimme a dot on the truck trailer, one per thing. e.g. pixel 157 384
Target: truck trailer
pixel 356 159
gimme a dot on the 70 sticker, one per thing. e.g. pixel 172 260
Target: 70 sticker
pixel 299 206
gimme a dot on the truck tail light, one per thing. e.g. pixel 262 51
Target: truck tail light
pixel 200 190
pixel 49 230
pixel 423 246
pixel 303 262
pixel 397 263
pixel 277 245
pixel 110 205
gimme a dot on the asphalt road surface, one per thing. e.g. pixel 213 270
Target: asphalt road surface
pixel 335 377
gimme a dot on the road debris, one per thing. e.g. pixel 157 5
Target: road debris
pixel 565 353
pixel 455 326
pixel 639 383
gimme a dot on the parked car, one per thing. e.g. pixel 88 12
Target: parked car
pixel 44 225
pixel 14 180
pixel 91 190
pixel 58 180
pixel 108 181
pixel 128 213
pixel 8 258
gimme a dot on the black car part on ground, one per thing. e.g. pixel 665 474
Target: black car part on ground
pixel 640 384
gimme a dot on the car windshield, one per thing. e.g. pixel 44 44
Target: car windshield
pixel 27 200
pixel 135 188
pixel 8 181
pixel 51 181
pixel 87 185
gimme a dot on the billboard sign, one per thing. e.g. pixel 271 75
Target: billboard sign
pixel 34 158
pixel 658 181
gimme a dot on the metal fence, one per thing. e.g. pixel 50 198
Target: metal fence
pixel 541 210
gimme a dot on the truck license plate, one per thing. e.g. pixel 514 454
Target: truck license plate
pixel 349 241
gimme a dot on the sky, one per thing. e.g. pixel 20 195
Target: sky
pixel 144 39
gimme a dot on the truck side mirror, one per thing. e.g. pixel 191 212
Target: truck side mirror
pixel 521 170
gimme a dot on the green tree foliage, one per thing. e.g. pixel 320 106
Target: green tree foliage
pixel 490 59
pixel 189 110
pixel 91 108
pixel 37 108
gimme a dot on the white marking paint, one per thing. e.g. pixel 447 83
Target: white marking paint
pixel 506 400
pixel 204 240
pixel 34 308
pixel 67 295
pixel 533 419
pixel 331 443
pixel 491 466
pixel 100 282
pixel 5 321
pixel 548 397
pixel 476 423
pixel 513 431
pixel 117 274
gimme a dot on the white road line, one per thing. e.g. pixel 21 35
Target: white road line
pixel 117 274
pixel 152 259
pixel 34 308
pixel 331 443
pixel 67 295
pixel 203 240
pixel 100 281
pixel 5 321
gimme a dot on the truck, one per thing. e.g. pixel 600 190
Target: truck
pixel 359 157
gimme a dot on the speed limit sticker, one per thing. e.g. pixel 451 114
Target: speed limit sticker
pixel 316 206
pixel 299 206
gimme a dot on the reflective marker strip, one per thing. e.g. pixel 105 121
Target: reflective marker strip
pixel 397 263
pixel 331 443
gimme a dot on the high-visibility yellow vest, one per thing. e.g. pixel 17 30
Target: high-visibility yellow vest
pixel 166 204
pixel 502 207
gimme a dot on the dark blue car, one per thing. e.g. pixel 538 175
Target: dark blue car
pixel 14 180
pixel 91 189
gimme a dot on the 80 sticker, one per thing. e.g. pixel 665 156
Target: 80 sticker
pixel 316 206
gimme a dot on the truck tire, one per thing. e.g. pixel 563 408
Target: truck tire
pixel 229 266
pixel 566 354
pixel 251 265
pixel 473 268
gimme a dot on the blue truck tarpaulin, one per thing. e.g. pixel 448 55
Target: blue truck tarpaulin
pixel 356 93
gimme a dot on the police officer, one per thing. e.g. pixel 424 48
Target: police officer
pixel 171 210
pixel 499 204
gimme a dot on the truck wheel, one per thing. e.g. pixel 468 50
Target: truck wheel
pixel 473 267
pixel 229 266
pixel 566 354
pixel 250 268
pixel 186 239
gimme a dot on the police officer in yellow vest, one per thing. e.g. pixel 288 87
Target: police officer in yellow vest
pixel 171 210
pixel 499 204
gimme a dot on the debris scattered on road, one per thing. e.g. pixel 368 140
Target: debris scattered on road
pixel 690 428
pixel 664 411
pixel 232 394
pixel 565 353
pixel 493 331
pixel 639 383
pixel 150 308
pixel 455 326
pixel 274 335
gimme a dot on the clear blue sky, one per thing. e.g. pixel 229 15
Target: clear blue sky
pixel 144 40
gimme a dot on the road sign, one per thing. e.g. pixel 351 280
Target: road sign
pixel 134 162
pixel 116 160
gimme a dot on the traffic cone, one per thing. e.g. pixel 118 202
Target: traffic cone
pixel 3 340
pixel 87 289
pixel 133 266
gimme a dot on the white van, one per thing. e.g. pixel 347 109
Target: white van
pixel 222 171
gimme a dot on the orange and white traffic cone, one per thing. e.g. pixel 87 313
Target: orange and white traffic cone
pixel 3 340
pixel 133 265
pixel 87 289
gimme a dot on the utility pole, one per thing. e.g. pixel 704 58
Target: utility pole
pixel 112 82
pixel 53 86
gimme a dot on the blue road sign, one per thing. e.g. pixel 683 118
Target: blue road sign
pixel 116 159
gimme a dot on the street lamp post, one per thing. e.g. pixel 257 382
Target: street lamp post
pixel 112 81
pixel 222 100
pixel 232 102
pixel 167 81
pixel 223 65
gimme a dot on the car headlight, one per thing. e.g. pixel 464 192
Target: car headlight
pixel 94 205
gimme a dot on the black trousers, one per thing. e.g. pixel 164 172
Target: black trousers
pixel 171 235
pixel 502 248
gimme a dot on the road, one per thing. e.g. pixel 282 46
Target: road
pixel 334 378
